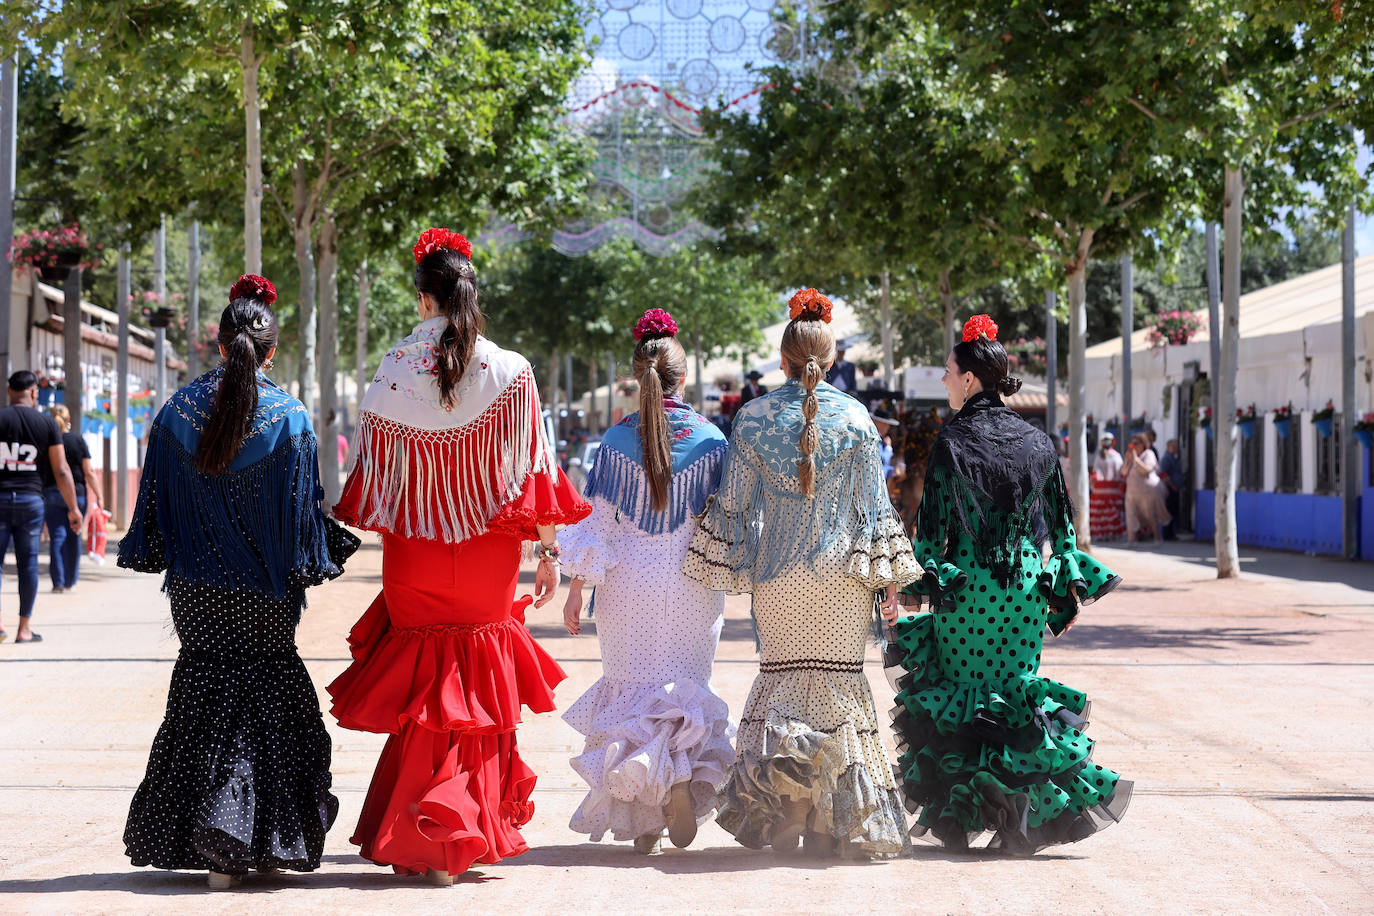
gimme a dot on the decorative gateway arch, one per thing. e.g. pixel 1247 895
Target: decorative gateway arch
pixel 655 64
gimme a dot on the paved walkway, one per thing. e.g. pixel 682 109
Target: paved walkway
pixel 1242 709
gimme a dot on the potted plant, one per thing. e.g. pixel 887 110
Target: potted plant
pixel 1140 424
pixel 1172 328
pixel 55 253
pixel 869 367
pixel 1364 430
pixel 1027 355
pixel 1322 420
pixel 1283 419
pixel 1245 421
pixel 1204 420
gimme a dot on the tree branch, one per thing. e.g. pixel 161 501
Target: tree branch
pixel 1029 243
pixel 1148 113
pixel 1312 115
pixel 1133 199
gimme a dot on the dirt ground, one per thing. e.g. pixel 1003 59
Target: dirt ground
pixel 1241 709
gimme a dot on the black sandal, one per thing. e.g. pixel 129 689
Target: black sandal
pixel 33 637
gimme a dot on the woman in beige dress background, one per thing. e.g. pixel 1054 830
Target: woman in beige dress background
pixel 1144 491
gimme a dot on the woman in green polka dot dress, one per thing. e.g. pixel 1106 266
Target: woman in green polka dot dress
pixel 985 743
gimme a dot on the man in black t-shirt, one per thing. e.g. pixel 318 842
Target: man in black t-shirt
pixel 29 439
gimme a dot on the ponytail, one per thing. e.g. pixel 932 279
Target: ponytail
pixel 449 277
pixel 807 348
pixel 659 364
pixel 248 333
pixel 806 468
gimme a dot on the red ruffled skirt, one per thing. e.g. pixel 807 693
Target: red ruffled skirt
pixel 442 663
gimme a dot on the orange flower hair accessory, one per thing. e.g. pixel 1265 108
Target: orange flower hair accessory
pixel 432 240
pixel 809 302
pixel 980 326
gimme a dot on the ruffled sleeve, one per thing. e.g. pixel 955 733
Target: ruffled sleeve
pixel 587 546
pixel 548 498
pixel 940 580
pixel 881 554
pixel 1070 577
pixel 723 549
pixel 143 548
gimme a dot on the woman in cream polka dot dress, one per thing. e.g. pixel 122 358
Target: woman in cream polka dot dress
pixel 803 523
pixel 229 508
pixel 657 735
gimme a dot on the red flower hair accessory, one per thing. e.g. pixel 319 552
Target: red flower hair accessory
pixel 251 286
pixel 809 302
pixel 980 326
pixel 655 323
pixel 432 240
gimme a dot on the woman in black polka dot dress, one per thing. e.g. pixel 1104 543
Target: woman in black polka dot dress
pixel 229 508
pixel 986 744
pixel 802 522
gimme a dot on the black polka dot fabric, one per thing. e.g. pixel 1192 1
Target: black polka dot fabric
pixel 238 777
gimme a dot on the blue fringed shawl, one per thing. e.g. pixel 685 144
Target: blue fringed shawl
pixel 258 525
pixel 618 475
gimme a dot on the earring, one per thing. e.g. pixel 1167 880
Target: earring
pixel 268 366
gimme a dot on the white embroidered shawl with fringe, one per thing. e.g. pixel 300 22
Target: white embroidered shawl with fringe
pixel 420 470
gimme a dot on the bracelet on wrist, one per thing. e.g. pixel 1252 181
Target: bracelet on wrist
pixel 548 551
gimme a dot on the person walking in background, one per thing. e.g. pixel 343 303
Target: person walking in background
pixel 752 389
pixel 229 507
pixel 1172 472
pixel 30 444
pixel 64 554
pixel 1107 498
pixel 987 744
pixel 840 375
pixel 803 524
pixel 657 736
pixel 451 465
pixel 1145 511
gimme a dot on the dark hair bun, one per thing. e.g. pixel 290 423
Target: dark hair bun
pixel 1008 385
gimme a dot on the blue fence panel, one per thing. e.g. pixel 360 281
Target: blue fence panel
pixel 1283 521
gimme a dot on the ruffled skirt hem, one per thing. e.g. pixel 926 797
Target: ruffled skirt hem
pixel 1011 758
pixel 641 740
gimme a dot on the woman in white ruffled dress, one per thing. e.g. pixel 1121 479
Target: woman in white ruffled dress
pixel 657 735
pixel 802 522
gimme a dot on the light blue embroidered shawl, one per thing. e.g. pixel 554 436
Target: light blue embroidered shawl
pixel 759 510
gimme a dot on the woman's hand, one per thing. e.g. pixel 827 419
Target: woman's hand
pixel 545 581
pixel 572 608
pixel 888 609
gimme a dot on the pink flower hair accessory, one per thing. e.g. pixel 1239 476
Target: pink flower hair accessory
pixel 251 286
pixel 432 240
pixel 655 323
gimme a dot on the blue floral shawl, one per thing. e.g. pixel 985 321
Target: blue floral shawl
pixel 259 525
pixel 618 473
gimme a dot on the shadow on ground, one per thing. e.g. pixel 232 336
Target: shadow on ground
pixel 1147 636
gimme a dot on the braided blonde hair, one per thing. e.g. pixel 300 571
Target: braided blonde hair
pixel 808 348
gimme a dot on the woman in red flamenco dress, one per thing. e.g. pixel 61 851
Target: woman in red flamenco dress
pixel 451 465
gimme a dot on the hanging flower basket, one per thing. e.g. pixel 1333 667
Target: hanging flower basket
pixel 1204 420
pixel 1245 421
pixel 1283 419
pixel 54 254
pixel 1172 329
pixel 1322 420
pixel 1364 430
